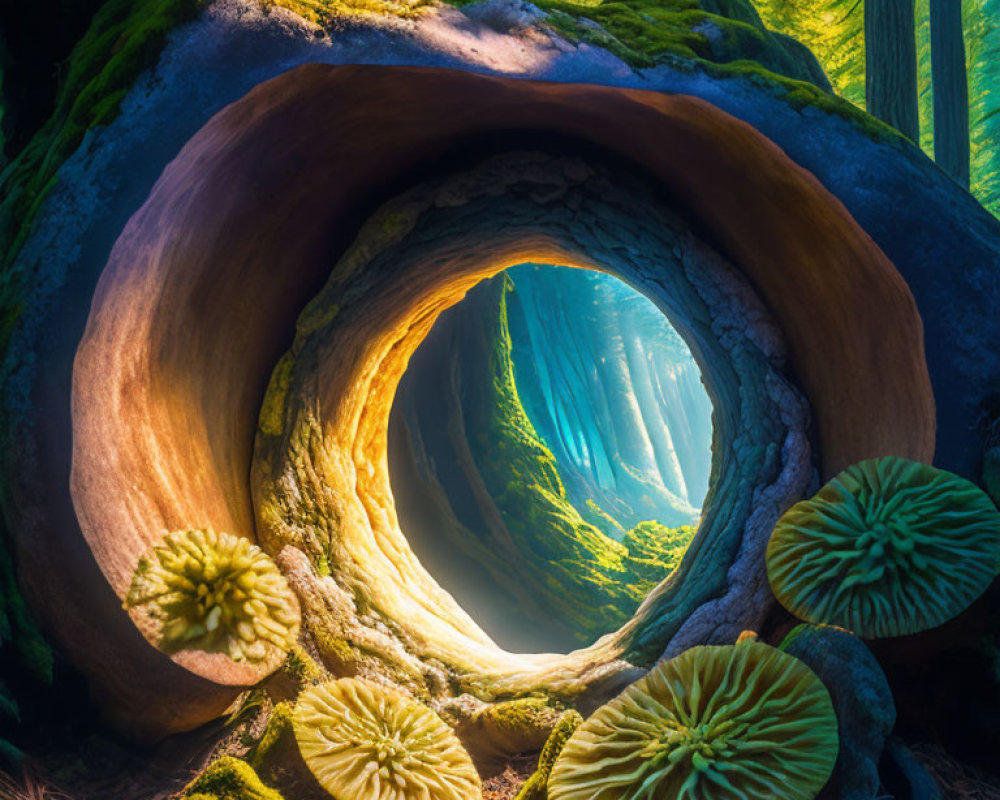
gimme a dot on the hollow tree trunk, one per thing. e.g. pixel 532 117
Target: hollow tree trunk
pixel 891 64
pixel 951 90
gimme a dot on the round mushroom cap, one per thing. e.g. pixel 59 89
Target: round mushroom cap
pixel 215 593
pixel 889 547
pixel 363 741
pixel 737 722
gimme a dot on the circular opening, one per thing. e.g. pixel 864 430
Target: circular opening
pixel 558 411
pixel 168 380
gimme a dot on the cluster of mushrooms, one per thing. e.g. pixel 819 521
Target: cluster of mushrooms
pixel 889 547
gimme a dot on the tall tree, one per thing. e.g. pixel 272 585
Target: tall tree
pixel 891 68
pixel 951 90
pixel 833 30
pixel 983 43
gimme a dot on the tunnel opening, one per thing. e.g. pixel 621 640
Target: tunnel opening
pixel 177 398
pixel 581 411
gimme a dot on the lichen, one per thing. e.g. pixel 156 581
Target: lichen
pixel 229 778
pixel 301 667
pixel 215 592
pixel 888 547
pixel 524 715
pixel 275 756
pixel 536 787
pixel 272 410
pixel 740 722
pixel 279 725
pixel 336 653
pixel 361 740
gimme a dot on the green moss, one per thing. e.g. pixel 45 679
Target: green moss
pixel 521 716
pixel 337 653
pixel 272 411
pixel 570 569
pixel 276 751
pixel 125 38
pixel 644 33
pixel 801 94
pixel 327 12
pixel 536 787
pixel 301 667
pixel 229 778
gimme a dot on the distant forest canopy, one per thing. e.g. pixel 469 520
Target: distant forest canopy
pixel 835 31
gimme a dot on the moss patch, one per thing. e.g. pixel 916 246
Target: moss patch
pixel 301 668
pixel 229 778
pixel 124 39
pixel 326 13
pixel 536 787
pixel 644 33
pixel 524 716
pixel 569 569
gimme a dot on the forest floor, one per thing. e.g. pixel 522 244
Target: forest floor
pixel 957 781
pixel 116 775
pixel 506 785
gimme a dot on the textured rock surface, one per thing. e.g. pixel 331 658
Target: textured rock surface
pixel 861 697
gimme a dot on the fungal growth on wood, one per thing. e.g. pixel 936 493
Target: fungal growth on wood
pixel 366 742
pixel 889 547
pixel 715 723
pixel 216 593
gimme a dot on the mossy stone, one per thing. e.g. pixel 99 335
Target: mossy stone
pixel 536 787
pixel 229 778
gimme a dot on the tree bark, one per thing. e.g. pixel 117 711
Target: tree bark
pixel 951 90
pixel 891 64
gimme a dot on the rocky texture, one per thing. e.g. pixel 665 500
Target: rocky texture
pixel 438 112
pixel 862 699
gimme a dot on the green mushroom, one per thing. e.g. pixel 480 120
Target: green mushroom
pixel 216 593
pixel 363 741
pixel 737 722
pixel 889 547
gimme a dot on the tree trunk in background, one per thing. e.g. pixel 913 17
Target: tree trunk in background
pixel 951 90
pixel 891 66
